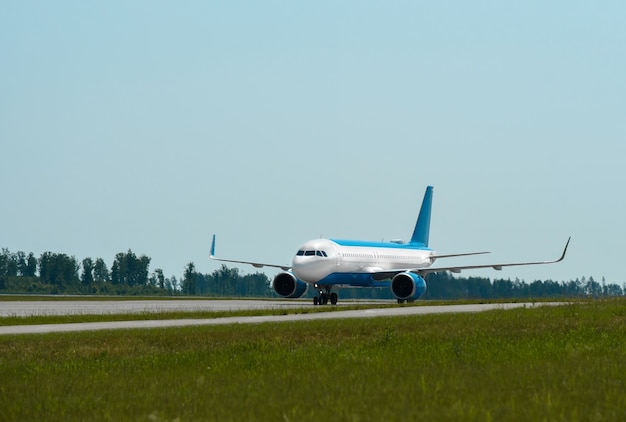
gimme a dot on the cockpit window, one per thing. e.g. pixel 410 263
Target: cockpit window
pixel 312 253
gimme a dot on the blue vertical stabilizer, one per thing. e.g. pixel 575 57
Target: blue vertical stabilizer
pixel 422 227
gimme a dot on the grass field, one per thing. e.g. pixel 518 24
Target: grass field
pixel 548 363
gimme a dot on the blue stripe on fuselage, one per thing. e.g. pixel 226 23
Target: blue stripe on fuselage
pixel 388 245
pixel 352 280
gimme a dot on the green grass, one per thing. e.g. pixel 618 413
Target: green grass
pixel 549 363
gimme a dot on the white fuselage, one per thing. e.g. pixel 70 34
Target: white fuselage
pixel 324 259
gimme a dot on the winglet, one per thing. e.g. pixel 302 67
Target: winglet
pixel 564 250
pixel 212 248
pixel 254 264
pixel 422 227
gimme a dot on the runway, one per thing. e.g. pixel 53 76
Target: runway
pixel 104 307
pixel 160 305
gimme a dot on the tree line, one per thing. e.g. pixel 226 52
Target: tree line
pixel 442 285
pixel 225 281
pixel 57 273
pixel 129 274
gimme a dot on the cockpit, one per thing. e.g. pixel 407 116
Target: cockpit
pixel 314 260
pixel 311 252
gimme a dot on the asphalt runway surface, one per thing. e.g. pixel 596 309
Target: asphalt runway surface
pixel 111 307
pixel 103 307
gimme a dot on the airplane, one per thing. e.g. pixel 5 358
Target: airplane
pixel 329 263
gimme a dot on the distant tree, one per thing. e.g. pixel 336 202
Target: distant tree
pixel 225 281
pixel 189 285
pixel 613 290
pixel 115 272
pixel 502 288
pixel 87 276
pixel 20 259
pixel 171 284
pixel 202 284
pixel 536 288
pixel 123 268
pixel 438 285
pixel 58 269
pixel 17 264
pixel 101 272
pixel 31 265
pixel 552 288
pixel 159 278
pixel 129 270
pixel 593 288
pixel 256 284
pixel 4 263
pixel 152 280
pixel 572 288
pixel 143 271
pixel 11 263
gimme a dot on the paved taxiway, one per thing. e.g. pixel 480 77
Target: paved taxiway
pixel 157 306
pixel 103 307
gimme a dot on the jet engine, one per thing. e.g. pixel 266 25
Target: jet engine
pixel 408 286
pixel 289 286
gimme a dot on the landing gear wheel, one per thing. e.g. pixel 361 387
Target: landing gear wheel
pixel 324 296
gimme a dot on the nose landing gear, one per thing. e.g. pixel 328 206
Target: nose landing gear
pixel 325 296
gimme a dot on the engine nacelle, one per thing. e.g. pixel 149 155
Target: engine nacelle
pixel 289 286
pixel 408 286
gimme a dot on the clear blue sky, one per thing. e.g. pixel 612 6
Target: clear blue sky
pixel 151 125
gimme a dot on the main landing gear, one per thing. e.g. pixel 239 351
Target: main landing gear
pixel 325 296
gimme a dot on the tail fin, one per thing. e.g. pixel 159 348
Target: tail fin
pixel 422 227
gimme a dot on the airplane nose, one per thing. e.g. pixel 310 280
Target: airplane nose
pixel 313 261
pixel 306 268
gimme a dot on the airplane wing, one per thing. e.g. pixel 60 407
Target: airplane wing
pixel 434 257
pixel 254 264
pixel 382 275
